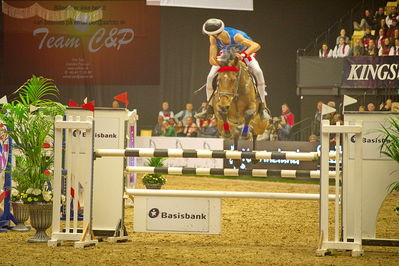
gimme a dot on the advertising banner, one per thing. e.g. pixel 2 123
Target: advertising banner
pixel 86 43
pixel 371 72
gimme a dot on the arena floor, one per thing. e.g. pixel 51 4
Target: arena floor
pixel 255 232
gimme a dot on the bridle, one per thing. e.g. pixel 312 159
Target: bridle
pixel 233 94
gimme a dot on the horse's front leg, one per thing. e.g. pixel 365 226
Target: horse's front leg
pixel 248 116
pixel 223 112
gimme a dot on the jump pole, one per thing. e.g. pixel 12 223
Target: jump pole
pixel 223 194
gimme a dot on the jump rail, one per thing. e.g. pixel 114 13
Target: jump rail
pixel 193 153
pixel 224 194
pixel 265 173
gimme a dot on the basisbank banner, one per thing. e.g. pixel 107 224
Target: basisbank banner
pixel 371 72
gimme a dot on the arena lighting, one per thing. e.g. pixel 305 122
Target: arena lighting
pixel 51 15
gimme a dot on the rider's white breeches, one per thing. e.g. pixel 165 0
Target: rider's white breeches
pixel 253 66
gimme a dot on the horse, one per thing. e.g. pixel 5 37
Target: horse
pixel 236 102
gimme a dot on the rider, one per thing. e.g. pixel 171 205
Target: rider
pixel 226 38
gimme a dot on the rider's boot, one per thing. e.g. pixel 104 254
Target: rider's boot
pixel 207 113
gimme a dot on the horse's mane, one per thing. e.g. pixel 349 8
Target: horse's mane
pixel 228 56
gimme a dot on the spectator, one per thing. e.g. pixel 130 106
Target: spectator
pixel 325 51
pixel 366 21
pixel 337 118
pixel 395 107
pixel 158 127
pixel 191 129
pixel 391 16
pixel 387 107
pixel 367 37
pixel 385 48
pixel 313 138
pixel 395 49
pixel 330 116
pixel 283 129
pixel 209 131
pixel 168 128
pixel 115 104
pixel 342 34
pixel 317 119
pixel 362 108
pixel 165 112
pixel 371 107
pixel 180 129
pixel 380 39
pixel 371 50
pixel 382 26
pixel 183 114
pixel 392 28
pixel 358 48
pixel 341 49
pixel 379 15
pixel 395 36
pixel 289 116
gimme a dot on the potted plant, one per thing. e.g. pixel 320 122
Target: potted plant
pixel 390 148
pixel 29 120
pixel 154 181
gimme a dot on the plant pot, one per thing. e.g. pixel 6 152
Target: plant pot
pixel 41 215
pixel 153 186
pixel 21 215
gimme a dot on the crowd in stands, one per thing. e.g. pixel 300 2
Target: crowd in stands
pixel 374 35
pixel 184 124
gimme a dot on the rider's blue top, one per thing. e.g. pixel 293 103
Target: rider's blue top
pixel 232 32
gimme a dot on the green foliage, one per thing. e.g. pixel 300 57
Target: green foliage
pixel 155 178
pixel 29 120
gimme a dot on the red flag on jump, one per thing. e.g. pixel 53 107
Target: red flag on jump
pixel 122 98
pixel 3 195
pixel 88 106
pixel 72 103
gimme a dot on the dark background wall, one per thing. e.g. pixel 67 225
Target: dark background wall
pixel 279 26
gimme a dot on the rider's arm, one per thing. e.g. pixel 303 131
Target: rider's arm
pixel 253 47
pixel 213 51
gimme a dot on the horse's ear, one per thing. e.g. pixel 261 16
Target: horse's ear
pixel 235 61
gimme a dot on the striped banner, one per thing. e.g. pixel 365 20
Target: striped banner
pixel 263 173
pixel 192 153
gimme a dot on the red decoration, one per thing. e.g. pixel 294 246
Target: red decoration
pixel 228 68
pixel 226 126
pixel 122 98
pixel 4 195
pixel 72 103
pixel 47 145
pixel 88 106
pixel 47 172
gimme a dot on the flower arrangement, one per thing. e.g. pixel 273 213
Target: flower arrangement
pixel 32 195
pixel 154 179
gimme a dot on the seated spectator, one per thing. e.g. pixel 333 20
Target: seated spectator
pixel 371 49
pixel 387 106
pixel 379 15
pixel 393 15
pixel 341 49
pixel 325 51
pixel 367 37
pixel 169 130
pixel 380 39
pixel 330 116
pixel 191 129
pixel 382 26
pixel 395 36
pixel 357 49
pixel 283 129
pixel 209 130
pixel 342 34
pixel 180 129
pixel 183 114
pixel 371 107
pixel 366 21
pixel 157 131
pixel 289 116
pixel 385 48
pixel 313 138
pixel 362 108
pixel 395 49
pixel 395 107
pixel 337 118
pixel 165 112
pixel 394 26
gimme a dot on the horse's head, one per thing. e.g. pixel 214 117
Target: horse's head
pixel 228 77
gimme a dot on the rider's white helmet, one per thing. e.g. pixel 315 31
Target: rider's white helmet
pixel 213 26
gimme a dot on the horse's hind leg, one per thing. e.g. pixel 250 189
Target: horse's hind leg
pixel 254 161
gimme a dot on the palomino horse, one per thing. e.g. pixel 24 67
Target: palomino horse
pixel 236 102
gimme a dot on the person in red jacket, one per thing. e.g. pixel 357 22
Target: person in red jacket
pixel 286 112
